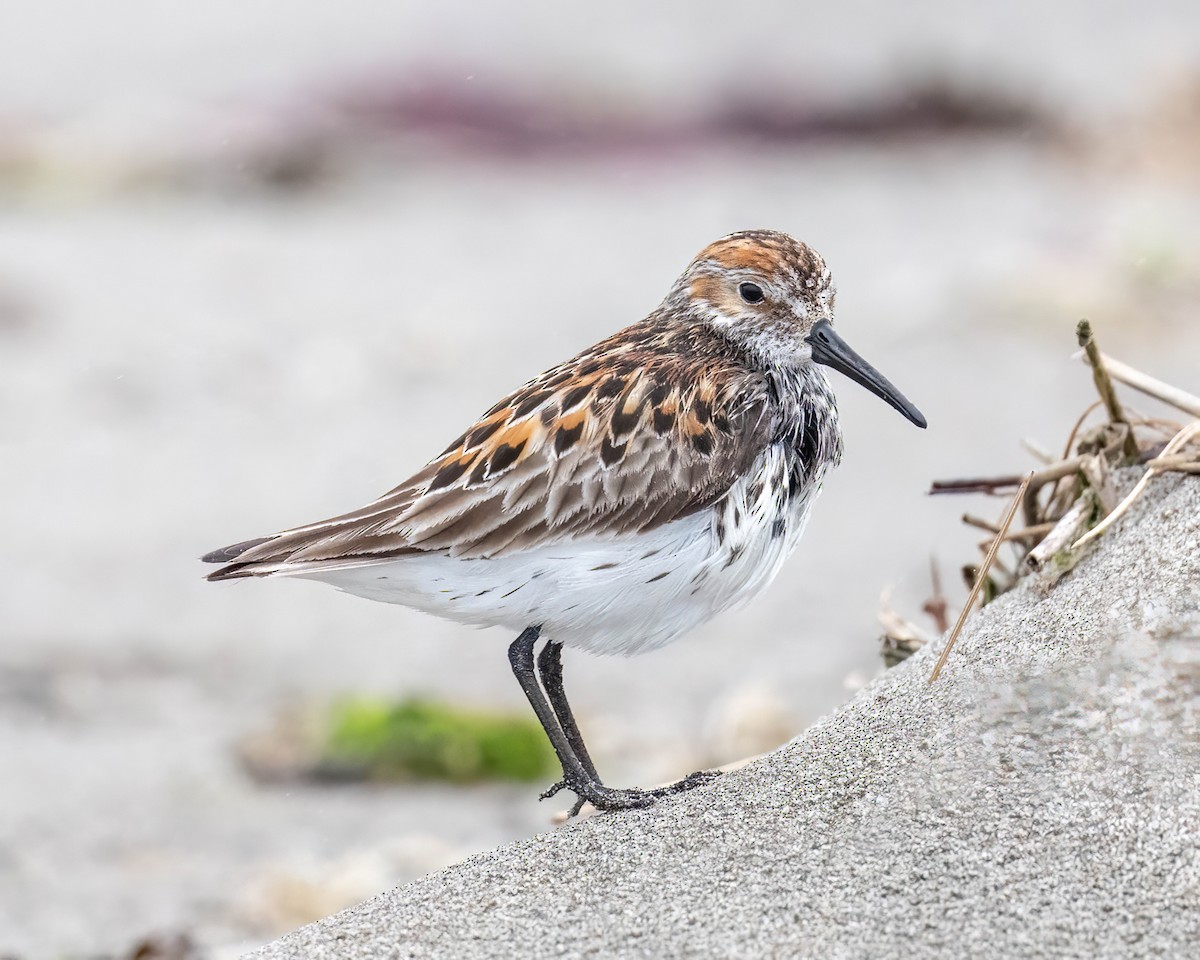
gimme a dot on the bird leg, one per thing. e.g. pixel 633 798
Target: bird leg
pixel 576 777
pixel 549 665
pixel 554 714
pixel 550 670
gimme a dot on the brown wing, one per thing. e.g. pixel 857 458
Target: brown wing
pixel 621 439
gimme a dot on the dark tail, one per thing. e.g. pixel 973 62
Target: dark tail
pixel 230 554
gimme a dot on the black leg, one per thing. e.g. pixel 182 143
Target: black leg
pixel 520 655
pixel 577 777
pixel 549 663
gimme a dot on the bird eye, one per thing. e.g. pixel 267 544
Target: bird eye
pixel 751 292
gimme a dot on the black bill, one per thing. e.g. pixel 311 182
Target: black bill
pixel 832 351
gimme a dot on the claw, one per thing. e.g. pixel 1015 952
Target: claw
pixel 606 798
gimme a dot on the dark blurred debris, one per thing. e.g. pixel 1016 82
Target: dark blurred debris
pixel 301 163
pixel 379 123
pixel 473 118
pixel 168 946
pixel 925 109
pixel 935 606
pixel 368 739
pixel 155 946
pixel 467 118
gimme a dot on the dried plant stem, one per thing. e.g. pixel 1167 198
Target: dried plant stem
pixel 1078 426
pixel 973 521
pixel 1180 440
pixel 1037 530
pixel 1037 451
pixel 980 577
pixel 1166 427
pixel 1144 383
pixel 988 485
pixel 1016 536
pixel 935 606
pixel 1104 385
pixel 992 485
pixel 1039 478
pixel 1117 512
pixel 1175 465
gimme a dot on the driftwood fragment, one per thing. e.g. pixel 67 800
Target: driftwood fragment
pixel 1064 533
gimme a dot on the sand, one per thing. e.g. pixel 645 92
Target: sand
pixel 1041 799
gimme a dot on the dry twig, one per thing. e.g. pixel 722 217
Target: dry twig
pixel 1037 451
pixel 1104 385
pixel 1175 464
pixel 1039 478
pixel 935 606
pixel 996 485
pixel 1078 426
pixel 1144 383
pixel 988 485
pixel 980 577
pixel 1029 533
pixel 973 521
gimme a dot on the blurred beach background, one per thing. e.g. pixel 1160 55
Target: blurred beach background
pixel 259 261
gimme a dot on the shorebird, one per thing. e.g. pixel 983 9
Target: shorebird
pixel 621 498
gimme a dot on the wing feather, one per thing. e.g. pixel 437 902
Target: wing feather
pixel 621 439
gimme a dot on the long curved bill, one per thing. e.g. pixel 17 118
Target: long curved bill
pixel 832 351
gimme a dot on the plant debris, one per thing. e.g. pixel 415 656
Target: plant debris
pixel 1067 504
pixel 981 576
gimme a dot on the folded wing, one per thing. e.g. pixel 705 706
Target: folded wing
pixel 618 440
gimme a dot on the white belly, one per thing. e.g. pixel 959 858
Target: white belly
pixel 620 595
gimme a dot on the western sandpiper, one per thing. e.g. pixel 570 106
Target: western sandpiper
pixel 620 498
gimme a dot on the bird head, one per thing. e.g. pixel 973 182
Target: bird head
pixel 773 297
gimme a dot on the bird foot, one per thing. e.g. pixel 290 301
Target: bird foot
pixel 601 797
pixel 611 798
